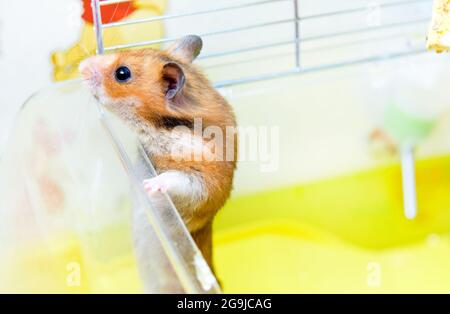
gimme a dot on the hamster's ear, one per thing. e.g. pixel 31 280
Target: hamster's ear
pixel 186 48
pixel 173 80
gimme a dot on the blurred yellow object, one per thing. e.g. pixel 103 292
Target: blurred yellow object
pixel 347 234
pixel 439 33
pixel 66 62
pixel 70 264
pixel 341 235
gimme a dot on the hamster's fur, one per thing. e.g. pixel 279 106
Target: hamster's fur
pixel 161 101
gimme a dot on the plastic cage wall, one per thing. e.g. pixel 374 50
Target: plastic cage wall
pixel 70 188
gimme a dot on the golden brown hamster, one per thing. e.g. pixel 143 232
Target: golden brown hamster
pixel 174 109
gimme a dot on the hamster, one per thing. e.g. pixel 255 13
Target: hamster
pixel 164 97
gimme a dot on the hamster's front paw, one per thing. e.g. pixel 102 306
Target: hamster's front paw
pixel 171 181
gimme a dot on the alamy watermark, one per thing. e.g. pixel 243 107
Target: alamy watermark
pixel 73 278
pixel 259 144
pixel 373 279
pixel 373 17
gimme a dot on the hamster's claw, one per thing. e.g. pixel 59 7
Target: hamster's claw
pixel 161 183
pixel 173 182
pixel 154 186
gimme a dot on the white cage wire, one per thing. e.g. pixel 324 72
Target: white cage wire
pixel 298 43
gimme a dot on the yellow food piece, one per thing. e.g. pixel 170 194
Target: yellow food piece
pixel 66 63
pixel 439 31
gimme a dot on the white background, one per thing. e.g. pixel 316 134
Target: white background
pixel 30 30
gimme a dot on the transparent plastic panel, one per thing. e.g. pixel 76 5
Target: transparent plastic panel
pixel 73 215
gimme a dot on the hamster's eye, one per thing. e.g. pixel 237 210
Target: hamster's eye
pixel 123 74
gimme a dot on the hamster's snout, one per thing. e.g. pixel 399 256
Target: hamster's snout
pixel 92 69
pixel 91 72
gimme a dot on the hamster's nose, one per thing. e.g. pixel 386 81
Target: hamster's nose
pixel 91 72
pixel 95 66
pixel 88 68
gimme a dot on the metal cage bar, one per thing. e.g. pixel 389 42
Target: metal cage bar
pixel 297 19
